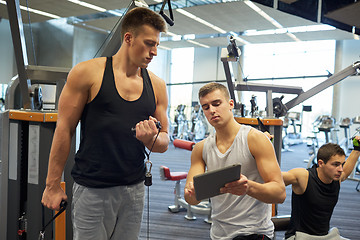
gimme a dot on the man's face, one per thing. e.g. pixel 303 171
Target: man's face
pixel 333 168
pixel 144 46
pixel 217 108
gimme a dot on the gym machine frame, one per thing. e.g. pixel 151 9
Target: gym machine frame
pixel 230 54
pixel 353 69
pixel 26 130
pixel 26 141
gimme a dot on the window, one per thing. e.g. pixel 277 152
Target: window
pixel 182 66
pixel 281 60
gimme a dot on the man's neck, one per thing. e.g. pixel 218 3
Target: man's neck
pixel 227 131
pixel 122 63
pixel 322 177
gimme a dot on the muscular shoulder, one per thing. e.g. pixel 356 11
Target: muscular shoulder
pixel 158 84
pixel 255 135
pixel 196 153
pixel 198 148
pixel 255 139
pixel 87 72
pixel 298 177
pixel 155 79
pixel 299 173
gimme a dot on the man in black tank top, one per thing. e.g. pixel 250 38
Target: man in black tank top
pixel 315 191
pixel 111 96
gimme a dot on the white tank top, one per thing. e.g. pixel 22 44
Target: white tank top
pixel 234 215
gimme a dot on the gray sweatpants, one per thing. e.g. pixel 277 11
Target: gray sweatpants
pixel 107 213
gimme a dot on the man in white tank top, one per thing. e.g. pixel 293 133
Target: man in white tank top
pixel 244 210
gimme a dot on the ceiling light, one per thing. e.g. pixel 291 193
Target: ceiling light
pixel 189 36
pixel 88 5
pixel 116 13
pixel 311 28
pixel 164 48
pixel 174 37
pixel 199 44
pixel 290 31
pixel 293 37
pixel 263 14
pixel 171 34
pixel 46 14
pixel 200 20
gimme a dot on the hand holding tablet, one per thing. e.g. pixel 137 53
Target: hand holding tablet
pixel 208 184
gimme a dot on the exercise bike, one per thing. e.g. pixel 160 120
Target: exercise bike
pixel 182 129
pixel 199 127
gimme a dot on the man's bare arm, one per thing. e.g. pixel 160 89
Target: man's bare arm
pixel 71 103
pixel 197 167
pixel 350 163
pixel 273 188
pixel 298 178
pixel 162 142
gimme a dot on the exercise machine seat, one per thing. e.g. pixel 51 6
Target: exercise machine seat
pixel 172 176
pixel 281 223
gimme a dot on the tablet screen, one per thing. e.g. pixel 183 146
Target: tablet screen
pixel 208 184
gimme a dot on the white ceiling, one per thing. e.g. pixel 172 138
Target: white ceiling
pixel 230 16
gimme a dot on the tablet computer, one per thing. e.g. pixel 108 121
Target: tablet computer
pixel 208 184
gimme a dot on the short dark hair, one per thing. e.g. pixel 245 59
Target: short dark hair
pixel 328 150
pixel 140 16
pixel 210 87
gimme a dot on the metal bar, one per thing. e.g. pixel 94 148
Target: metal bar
pixel 192 83
pixel 18 38
pixel 353 69
pixel 252 79
pixel 319 13
pixel 269 104
pixel 230 82
pixel 4 176
pixel 246 86
pixel 47 74
pixel 286 78
pixel 276 4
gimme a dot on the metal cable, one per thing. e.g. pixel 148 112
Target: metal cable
pixel 31 33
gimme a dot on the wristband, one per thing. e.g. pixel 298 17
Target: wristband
pixel 356 144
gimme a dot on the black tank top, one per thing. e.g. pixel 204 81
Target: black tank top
pixel 109 154
pixel 311 211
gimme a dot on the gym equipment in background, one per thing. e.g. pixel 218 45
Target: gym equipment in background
pixel 203 208
pixel 195 129
pixel 28 125
pixel 294 137
pixel 325 124
pixel 199 126
pixel 313 144
pixel 269 89
pixel 345 124
pixel 295 119
pixel 254 107
pixel 182 130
